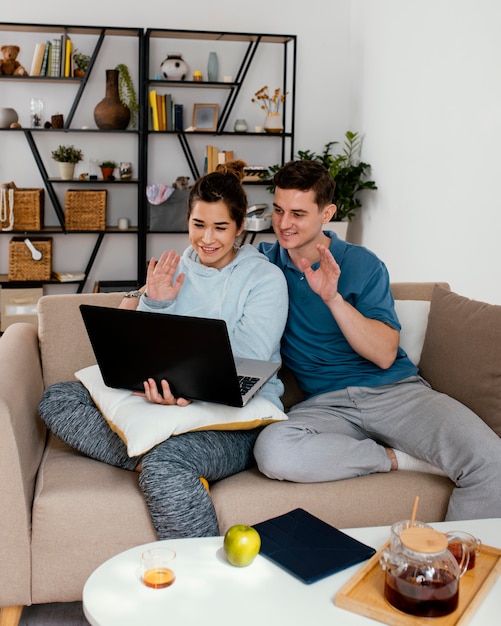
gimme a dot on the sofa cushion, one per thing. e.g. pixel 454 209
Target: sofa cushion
pixel 413 317
pixel 142 424
pixel 461 353
pixel 373 500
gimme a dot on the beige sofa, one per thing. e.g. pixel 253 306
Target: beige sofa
pixel 63 514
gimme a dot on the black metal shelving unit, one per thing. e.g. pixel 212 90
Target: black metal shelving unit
pixel 252 41
pixel 100 34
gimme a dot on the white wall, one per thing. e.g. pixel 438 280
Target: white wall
pixel 421 82
pixel 426 91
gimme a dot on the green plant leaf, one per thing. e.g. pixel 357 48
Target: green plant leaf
pixel 127 93
pixel 350 173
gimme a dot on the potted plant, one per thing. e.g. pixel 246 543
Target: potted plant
pixel 107 169
pixel 127 93
pixel 349 172
pixel 67 157
pixel 271 105
pixel 82 62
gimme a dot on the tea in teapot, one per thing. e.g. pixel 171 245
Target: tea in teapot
pixel 421 575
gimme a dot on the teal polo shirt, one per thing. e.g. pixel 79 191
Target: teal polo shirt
pixel 313 346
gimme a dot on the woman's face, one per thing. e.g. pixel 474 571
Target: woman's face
pixel 212 233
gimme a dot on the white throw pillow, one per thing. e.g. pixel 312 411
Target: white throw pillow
pixel 142 425
pixel 413 316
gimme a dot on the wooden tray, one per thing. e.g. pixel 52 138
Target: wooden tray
pixel 364 592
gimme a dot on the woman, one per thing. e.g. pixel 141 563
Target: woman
pixel 213 278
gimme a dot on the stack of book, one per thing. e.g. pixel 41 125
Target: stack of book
pixel 53 58
pixel 214 156
pixel 165 114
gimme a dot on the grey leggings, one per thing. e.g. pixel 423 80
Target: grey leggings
pixel 178 503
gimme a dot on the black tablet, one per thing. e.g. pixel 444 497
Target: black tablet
pixel 307 547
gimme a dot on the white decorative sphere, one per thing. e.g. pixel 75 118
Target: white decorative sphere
pixel 174 67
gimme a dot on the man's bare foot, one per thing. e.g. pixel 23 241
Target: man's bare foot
pixel 393 458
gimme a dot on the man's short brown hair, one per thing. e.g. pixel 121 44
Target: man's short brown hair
pixel 306 175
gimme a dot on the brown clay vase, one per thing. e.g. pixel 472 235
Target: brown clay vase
pixel 110 113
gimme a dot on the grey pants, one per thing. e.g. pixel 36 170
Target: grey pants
pixel 342 434
pixel 178 503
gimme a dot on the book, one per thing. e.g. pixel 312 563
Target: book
pixel 212 153
pixel 168 112
pixel 162 122
pixel 68 58
pixel 154 109
pixel 38 55
pixel 45 61
pixel 209 158
pixel 68 277
pixel 225 156
pixel 62 59
pixel 55 58
pixel 179 117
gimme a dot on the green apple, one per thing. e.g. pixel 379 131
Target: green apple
pixel 241 544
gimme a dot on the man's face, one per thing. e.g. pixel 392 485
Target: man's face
pixel 297 220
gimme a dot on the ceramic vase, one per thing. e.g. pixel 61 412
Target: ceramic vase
pixel 273 123
pixel 7 117
pixel 66 170
pixel 212 67
pixel 110 113
pixel 240 126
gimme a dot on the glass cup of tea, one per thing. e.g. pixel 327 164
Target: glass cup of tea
pixel 156 567
pixel 460 541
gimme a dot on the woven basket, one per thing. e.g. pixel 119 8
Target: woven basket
pixel 28 210
pixel 22 266
pixel 85 210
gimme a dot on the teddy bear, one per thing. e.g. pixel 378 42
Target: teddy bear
pixel 8 65
pixel 181 182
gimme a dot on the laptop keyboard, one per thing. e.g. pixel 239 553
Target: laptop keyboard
pixel 246 382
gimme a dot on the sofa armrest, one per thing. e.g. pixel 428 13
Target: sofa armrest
pixel 22 441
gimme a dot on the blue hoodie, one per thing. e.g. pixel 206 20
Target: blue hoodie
pixel 249 294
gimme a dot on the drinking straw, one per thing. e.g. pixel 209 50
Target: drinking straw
pixel 414 510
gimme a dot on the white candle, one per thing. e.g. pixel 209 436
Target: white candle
pixel 123 223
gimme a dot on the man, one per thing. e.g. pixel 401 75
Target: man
pixel 364 399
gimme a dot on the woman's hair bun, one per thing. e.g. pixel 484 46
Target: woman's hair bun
pixel 236 168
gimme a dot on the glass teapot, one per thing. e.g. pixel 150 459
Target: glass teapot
pixel 421 574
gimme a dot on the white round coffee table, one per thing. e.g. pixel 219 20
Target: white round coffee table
pixel 208 590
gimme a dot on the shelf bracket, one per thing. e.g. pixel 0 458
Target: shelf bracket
pixel 189 156
pixel 241 74
pixel 91 260
pixel 84 80
pixel 50 189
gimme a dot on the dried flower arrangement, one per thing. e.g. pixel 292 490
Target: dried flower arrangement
pixel 270 105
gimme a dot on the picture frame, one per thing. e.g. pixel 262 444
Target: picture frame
pixel 205 117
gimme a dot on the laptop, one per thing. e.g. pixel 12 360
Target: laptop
pixel 193 354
